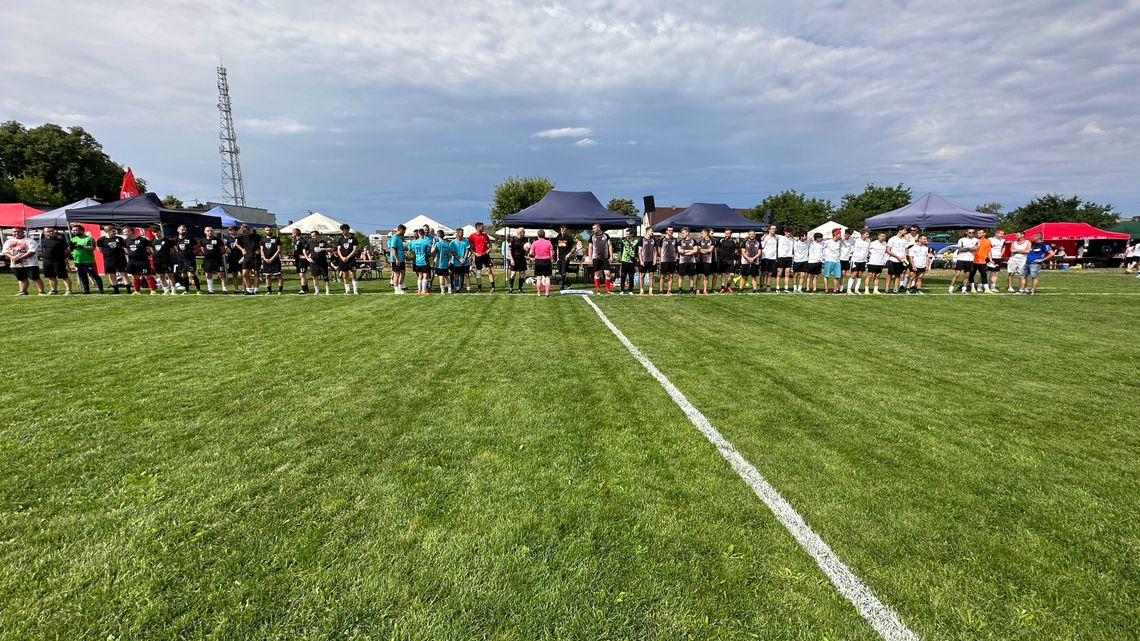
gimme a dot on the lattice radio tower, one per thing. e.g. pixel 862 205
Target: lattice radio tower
pixel 232 185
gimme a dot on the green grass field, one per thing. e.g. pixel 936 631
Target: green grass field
pixel 463 467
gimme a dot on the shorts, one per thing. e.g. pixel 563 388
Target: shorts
pixel 399 268
pixel 249 262
pixel 768 265
pixel 271 268
pixel 1016 264
pixel 845 265
pixel 483 261
pixel 831 269
pixel 918 271
pixel 896 269
pixel 461 270
pixel 814 269
pixel 541 267
pixel 687 269
pixel 319 271
pixel 964 265
pixel 800 267
pixel 749 270
pixel 669 267
pixel 421 269
pixel 706 269
pixel 187 266
pixel 647 268
pixel 1132 260
pixel 859 267
pixel 114 267
pixel 345 266
pixel 212 265
pixel 783 263
pixel 28 273
pixel 55 270
pixel 442 271
pixel 1031 270
pixel 726 267
pixel 981 268
pixel 518 264
pixel 164 267
pixel 600 264
pixel 302 266
pixel 138 268
pixel 874 269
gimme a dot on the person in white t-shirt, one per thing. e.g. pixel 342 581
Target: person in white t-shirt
pixel 769 247
pixel 964 260
pixel 814 263
pixel 785 253
pixel 896 259
pixel 876 261
pixel 831 269
pixel 21 253
pixel 997 248
pixel 1018 251
pixel 919 254
pixel 860 252
pixel 799 260
pixel 1132 259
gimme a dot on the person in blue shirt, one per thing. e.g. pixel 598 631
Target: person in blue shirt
pixel 460 261
pixel 421 247
pixel 1039 252
pixel 442 251
pixel 396 251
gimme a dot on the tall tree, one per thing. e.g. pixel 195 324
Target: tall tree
pixel 69 160
pixel 1057 208
pixel 516 194
pixel 36 191
pixel 801 212
pixel 623 206
pixel 875 200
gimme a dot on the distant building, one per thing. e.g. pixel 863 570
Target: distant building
pixel 253 215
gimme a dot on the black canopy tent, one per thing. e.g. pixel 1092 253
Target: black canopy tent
pixel 575 209
pixel 142 210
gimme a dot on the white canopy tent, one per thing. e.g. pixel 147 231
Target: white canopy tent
pixel 420 220
pixel 315 221
pixel 826 229
pixel 470 229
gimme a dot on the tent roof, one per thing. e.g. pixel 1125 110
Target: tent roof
pixel 1130 227
pixel 14 214
pixel 932 212
pixel 315 221
pixel 228 219
pixel 144 209
pixel 420 220
pixel 470 229
pixel 826 228
pixel 57 217
pixel 1070 231
pixel 717 216
pixel 575 209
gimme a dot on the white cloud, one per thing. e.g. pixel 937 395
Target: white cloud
pixel 277 126
pixel 586 142
pixel 564 132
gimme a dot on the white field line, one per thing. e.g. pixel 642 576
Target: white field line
pixel 879 615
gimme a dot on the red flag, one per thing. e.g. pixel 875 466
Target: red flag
pixel 129 188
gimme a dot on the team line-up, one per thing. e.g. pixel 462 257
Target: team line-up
pixel 847 263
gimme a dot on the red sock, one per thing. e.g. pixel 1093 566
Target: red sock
pixel 150 283
pixel 609 286
pixel 138 283
pixel 597 286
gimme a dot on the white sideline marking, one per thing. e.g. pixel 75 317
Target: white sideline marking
pixel 879 615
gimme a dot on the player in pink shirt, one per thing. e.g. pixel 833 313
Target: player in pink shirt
pixel 541 250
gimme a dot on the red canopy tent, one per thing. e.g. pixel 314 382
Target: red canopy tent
pixel 13 214
pixel 1068 235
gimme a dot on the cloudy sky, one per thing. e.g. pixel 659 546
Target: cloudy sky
pixel 374 111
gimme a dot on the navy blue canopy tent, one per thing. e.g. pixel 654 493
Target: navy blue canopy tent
pixel 716 216
pixel 932 212
pixel 226 217
pixel 145 209
pixel 575 209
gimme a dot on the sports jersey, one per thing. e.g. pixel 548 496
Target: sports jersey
pixel 919 255
pixel 860 250
pixel 601 246
pixel 628 249
pixel 785 246
pixel 815 252
pixel 897 245
pixel 542 249
pixel 1037 251
pixel 319 253
pixel 564 244
pixel 346 248
pixel 480 243
pixel 800 251
pixel 185 246
pixel 997 243
pixel 300 246
pixel 983 252
pixel 706 245
pixel 162 248
pixel 846 248
pixel 212 248
pixel 726 249
pixel 270 245
pixel 137 248
pixel 752 249
pixel 112 247
pixel 648 251
pixel 420 247
pixel 668 249
pixel 686 245
pixel 53 249
pixel 83 250
pixel 966 248
pixel 877 252
pixel 518 248
pixel 459 250
pixel 396 249
pixel 443 251
pixel 768 247
pixel 832 249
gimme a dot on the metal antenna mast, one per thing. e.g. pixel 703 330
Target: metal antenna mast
pixel 232 185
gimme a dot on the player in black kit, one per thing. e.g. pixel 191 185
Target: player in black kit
pixel 213 259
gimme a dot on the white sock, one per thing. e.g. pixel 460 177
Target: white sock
pixel 210 285
pixel 354 290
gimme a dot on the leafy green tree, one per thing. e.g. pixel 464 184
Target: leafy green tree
pixel 797 209
pixel 170 201
pixel 989 208
pixel 875 200
pixel 1057 208
pixel 69 160
pixel 36 191
pixel 623 206
pixel 7 189
pixel 516 194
